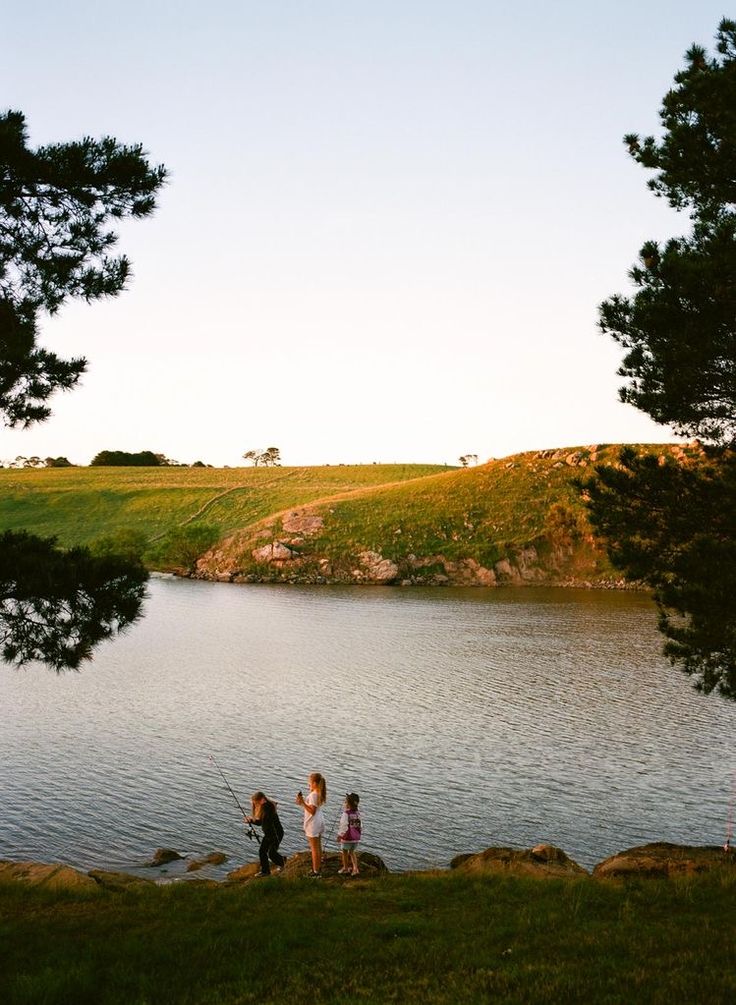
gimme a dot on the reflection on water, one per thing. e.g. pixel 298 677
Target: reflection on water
pixel 464 718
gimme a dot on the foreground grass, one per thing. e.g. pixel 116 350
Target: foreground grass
pixel 443 938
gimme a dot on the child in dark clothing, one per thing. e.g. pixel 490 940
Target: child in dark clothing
pixel 265 816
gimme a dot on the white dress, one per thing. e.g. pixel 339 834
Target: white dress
pixel 314 823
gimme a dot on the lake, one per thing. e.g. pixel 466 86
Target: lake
pixel 464 718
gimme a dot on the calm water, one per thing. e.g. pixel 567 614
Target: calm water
pixel 464 718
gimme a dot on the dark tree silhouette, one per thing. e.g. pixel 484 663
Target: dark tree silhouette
pixel 673 525
pixel 56 205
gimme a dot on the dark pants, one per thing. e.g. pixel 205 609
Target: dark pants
pixel 269 849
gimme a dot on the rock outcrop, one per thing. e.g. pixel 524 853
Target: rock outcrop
pixel 661 859
pixel 118 882
pixel 542 860
pixel 48 876
pixel 300 865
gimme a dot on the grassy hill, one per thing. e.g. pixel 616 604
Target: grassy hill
pixel 516 520
pixel 79 505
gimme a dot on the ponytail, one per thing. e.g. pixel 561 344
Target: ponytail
pixel 321 786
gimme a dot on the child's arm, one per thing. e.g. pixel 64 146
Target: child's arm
pixel 342 827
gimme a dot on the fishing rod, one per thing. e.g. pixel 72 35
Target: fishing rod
pixel 249 828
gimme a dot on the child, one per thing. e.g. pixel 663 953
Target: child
pixel 349 833
pixel 265 816
pixel 314 819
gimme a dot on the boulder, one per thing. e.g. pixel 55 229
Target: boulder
pixel 664 860
pixel 48 876
pixel 300 865
pixel 376 568
pixel 163 855
pixel 214 858
pixel 117 881
pixel 542 860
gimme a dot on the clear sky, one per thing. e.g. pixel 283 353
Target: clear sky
pixel 387 228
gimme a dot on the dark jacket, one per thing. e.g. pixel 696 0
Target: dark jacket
pixel 273 832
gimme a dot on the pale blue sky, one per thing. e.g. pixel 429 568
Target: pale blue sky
pixel 387 228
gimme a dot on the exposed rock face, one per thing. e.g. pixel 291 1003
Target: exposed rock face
pixel 664 860
pixel 302 521
pixel 163 855
pixel 300 865
pixel 542 860
pixel 375 568
pixel 50 877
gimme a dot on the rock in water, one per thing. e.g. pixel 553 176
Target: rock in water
pixel 214 858
pixel 163 855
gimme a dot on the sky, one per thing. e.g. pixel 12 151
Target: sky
pixel 387 227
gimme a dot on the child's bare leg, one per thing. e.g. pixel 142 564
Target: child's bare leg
pixel 354 860
pixel 315 846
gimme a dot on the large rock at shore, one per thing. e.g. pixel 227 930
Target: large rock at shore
pixel 371 866
pixel 48 876
pixel 542 860
pixel 664 860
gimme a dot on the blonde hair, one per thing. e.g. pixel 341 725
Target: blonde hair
pixel 321 786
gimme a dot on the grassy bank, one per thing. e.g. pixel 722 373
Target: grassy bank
pixel 433 938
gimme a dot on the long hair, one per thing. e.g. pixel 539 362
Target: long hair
pixel 256 805
pixel 321 786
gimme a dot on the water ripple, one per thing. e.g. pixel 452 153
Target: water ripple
pixel 463 717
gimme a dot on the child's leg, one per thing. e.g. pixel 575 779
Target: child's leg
pixel 315 846
pixel 263 856
pixel 276 857
pixel 354 860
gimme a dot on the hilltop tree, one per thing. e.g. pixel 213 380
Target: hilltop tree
pixel 269 458
pixel 673 525
pixel 56 205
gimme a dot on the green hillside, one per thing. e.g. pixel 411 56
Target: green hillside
pixel 518 520
pixel 79 505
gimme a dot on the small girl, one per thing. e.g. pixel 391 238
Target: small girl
pixel 314 818
pixel 349 833
pixel 265 816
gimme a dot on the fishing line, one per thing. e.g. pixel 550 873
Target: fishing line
pixel 248 827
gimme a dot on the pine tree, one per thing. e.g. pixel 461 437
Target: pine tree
pixel 668 524
pixel 56 206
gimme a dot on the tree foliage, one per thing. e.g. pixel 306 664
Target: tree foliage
pixel 56 206
pixel 679 328
pixel 673 525
pixel 121 459
pixel 268 458
pixel 55 606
